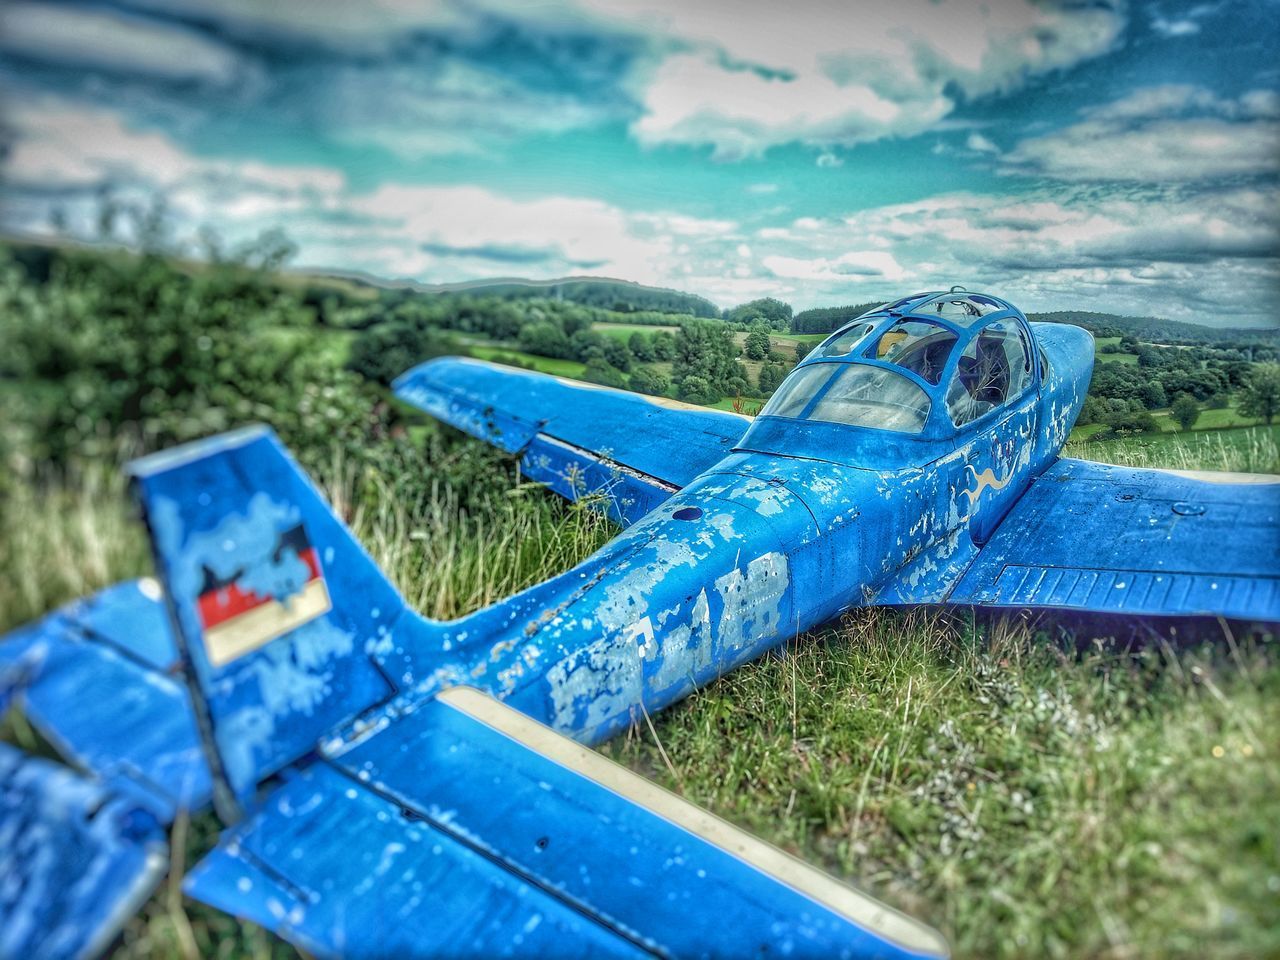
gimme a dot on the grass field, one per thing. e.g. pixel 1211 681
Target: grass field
pixel 559 368
pixel 623 331
pixel 1209 420
pixel 1237 449
pixel 1100 342
pixel 1027 799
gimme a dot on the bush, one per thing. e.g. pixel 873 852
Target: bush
pixel 1185 411
pixel 384 352
pixel 695 389
pixel 648 380
pixel 601 371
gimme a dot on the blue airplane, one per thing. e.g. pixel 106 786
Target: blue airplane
pixel 397 786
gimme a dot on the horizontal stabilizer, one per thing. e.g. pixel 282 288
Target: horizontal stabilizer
pixel 577 437
pixel 75 862
pixel 1102 539
pixel 99 680
pixel 466 828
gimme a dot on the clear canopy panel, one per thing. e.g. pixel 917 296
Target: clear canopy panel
pixel 918 346
pixel 856 394
pixel 963 309
pixel 994 369
pixel 843 342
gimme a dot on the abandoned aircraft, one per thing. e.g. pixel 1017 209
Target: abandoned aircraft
pixel 397 786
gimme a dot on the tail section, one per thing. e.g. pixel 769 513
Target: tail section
pixel 276 605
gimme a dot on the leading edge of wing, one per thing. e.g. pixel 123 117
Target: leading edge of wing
pixel 557 423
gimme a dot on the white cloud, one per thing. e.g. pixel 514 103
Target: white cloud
pixel 1160 134
pixel 980 144
pixel 62 145
pixel 100 39
pixel 369 25
pixel 762 188
pixel 1185 24
pixel 851 265
pixel 811 72
pixel 1175 28
pixel 1164 254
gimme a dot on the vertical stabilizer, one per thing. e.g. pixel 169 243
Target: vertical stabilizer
pixel 274 601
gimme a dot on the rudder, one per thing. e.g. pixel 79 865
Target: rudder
pixel 275 603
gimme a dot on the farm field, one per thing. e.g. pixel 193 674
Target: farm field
pixel 623 331
pixel 1100 342
pixel 1253 449
pixel 552 365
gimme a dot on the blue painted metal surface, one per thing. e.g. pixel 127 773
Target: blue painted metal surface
pixel 1087 536
pixel 479 844
pixel 339 870
pixel 99 680
pixel 220 514
pixel 633 449
pixel 738 537
pixel 75 860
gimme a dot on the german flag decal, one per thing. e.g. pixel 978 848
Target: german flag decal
pixel 238 619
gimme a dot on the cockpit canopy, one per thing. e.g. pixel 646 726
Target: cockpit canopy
pixel 967 354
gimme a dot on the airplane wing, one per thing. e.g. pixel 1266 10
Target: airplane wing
pixel 76 860
pixel 1102 539
pixel 577 437
pixel 465 828
pixel 100 680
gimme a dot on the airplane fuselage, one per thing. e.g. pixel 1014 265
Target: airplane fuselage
pixel 758 549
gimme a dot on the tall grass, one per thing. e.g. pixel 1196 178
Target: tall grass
pixel 68 534
pixel 448 560
pixel 1249 450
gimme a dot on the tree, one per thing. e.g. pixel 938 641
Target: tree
pixel 617 353
pixel 586 344
pixel 1153 395
pixel 1185 411
pixel 775 313
pixel 1261 394
pixel 647 380
pixel 705 349
pixel 641 345
pixel 1127 424
pixel 384 352
pixel 771 374
pixel 695 389
pixel 599 371
pixel 757 345
pixel 664 346
pixel 803 350
pixel 546 339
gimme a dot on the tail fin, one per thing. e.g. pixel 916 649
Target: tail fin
pixel 275 603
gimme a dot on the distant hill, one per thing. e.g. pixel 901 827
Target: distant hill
pixel 1158 330
pixel 622 296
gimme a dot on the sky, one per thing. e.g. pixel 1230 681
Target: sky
pixel 1064 154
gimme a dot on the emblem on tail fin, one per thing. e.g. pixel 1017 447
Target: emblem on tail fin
pixel 263 600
